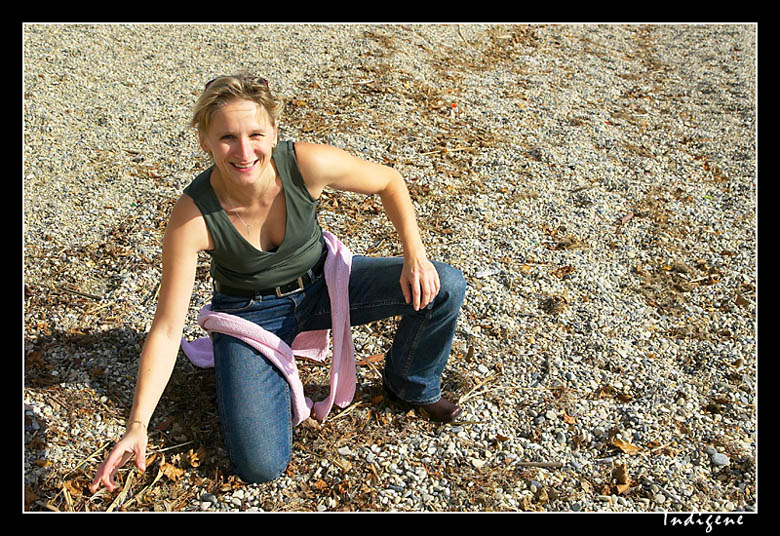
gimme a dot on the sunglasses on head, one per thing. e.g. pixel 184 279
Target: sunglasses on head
pixel 252 78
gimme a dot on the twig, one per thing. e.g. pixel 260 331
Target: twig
pixel 80 293
pixel 47 506
pixel 372 367
pixel 68 498
pixel 85 460
pixel 446 150
pixel 346 411
pixel 140 493
pixel 548 465
pixel 553 388
pixel 122 494
pixel 464 39
pixel 173 447
pixel 581 188
pixel 471 394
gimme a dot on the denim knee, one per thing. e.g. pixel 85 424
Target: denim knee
pixel 262 469
pixel 453 284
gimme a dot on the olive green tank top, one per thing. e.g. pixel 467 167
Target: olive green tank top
pixel 237 263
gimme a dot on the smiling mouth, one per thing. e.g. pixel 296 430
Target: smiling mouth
pixel 244 167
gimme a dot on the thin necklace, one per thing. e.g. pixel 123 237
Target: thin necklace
pixel 248 229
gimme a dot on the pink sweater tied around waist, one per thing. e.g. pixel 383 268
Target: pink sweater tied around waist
pixel 311 344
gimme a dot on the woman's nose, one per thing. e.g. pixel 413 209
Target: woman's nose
pixel 245 150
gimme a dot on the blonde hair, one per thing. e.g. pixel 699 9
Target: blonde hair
pixel 225 89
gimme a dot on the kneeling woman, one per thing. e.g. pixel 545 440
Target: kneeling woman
pixel 253 211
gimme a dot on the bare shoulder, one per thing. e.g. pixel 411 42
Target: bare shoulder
pixel 324 166
pixel 319 163
pixel 187 227
pixel 316 155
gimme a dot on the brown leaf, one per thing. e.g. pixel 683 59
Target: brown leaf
pixel 605 391
pixel 29 497
pixel 622 480
pixel 562 271
pixel 625 446
pixel 74 488
pixel 376 358
pixel 196 458
pixel 172 472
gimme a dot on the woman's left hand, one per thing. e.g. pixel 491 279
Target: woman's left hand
pixel 419 281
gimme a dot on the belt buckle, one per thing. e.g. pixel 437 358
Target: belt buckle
pixel 280 294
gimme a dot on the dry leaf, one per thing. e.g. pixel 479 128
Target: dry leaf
pixel 605 391
pixel 625 446
pixel 74 488
pixel 172 472
pixel 622 480
pixel 196 458
pixel 562 271
pixel 370 359
pixel 343 464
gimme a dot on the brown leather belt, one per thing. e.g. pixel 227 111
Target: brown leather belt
pixel 282 290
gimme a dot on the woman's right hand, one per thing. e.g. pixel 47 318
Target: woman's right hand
pixel 132 443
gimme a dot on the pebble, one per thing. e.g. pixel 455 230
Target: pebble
pixel 719 459
pixel 596 184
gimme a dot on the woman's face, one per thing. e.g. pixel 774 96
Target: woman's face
pixel 240 139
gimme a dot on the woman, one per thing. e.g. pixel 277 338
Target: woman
pixel 253 212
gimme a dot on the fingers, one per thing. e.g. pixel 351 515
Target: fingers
pixel 405 290
pixel 420 289
pixel 140 458
pixel 108 469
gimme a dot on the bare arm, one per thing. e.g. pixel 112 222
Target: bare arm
pixel 324 166
pixel 184 237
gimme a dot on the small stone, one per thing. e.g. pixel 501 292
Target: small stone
pixel 719 460
pixel 209 498
pixel 477 463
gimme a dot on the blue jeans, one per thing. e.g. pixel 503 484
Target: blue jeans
pixel 253 397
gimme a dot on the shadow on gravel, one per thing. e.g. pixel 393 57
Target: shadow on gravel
pixel 79 383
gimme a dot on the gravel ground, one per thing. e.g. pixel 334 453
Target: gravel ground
pixel 595 183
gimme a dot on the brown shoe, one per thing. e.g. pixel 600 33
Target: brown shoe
pixel 440 411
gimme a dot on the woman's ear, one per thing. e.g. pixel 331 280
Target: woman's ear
pixel 203 142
